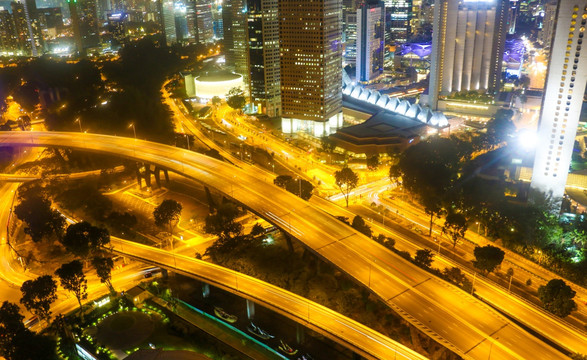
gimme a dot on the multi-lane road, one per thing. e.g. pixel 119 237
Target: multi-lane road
pixel 447 314
pixel 367 342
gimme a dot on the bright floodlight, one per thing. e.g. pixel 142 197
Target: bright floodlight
pixel 527 139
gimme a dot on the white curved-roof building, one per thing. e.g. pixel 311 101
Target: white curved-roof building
pixel 217 84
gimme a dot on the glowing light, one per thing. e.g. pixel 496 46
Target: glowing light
pixel 527 139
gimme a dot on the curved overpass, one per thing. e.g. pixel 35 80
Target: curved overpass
pixel 361 339
pixel 450 316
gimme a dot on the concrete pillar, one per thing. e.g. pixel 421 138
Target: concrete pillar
pixel 250 309
pixel 157 173
pixel 148 175
pixel 205 290
pixel 166 175
pixel 300 333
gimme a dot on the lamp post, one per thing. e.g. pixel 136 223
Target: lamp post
pixel 491 347
pixel 133 129
pixel 79 121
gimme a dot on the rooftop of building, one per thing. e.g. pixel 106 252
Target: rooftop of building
pixel 385 127
pixel 218 75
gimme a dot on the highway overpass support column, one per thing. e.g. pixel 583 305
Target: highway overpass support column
pixel 300 333
pixel 250 309
pixel 205 290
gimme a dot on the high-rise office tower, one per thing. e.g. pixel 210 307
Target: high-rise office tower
pixel 167 13
pixel 350 41
pixel 513 16
pixel 399 16
pixel 27 27
pixel 548 23
pixel 235 18
pixel 311 65
pixel 217 20
pixel 467 46
pixel 349 30
pixel 370 40
pixel 563 98
pixel 84 18
pixel 254 51
pixel 9 41
pixel 204 29
pixel 182 31
pixel 51 21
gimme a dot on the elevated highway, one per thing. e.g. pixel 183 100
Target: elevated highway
pixel 455 319
pixel 362 340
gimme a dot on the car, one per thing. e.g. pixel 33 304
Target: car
pixel 288 350
pixel 258 332
pixel 218 311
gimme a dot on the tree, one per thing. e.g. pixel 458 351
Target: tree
pixel 257 230
pixel 488 257
pixel 301 188
pixel 360 225
pixel 222 223
pixel 327 144
pixel 235 98
pixel 83 239
pixel 282 180
pixel 424 258
pixel 41 220
pixel 430 167
pixel 38 295
pixel 294 186
pixel 557 297
pixel 10 326
pixel 394 173
pixel 433 208
pixel 216 101
pixel 373 162
pixel 104 266
pixel 500 128
pixel 167 214
pixel 72 278
pixel 455 225
pixel 346 180
pixel 44 348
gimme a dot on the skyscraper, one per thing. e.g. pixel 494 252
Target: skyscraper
pixel 204 29
pixel 399 16
pixel 467 46
pixel 27 27
pixel 167 14
pixel 9 41
pixel 563 98
pixel 350 41
pixel 84 18
pixel 548 23
pixel 311 66
pixel 370 40
pixel 254 51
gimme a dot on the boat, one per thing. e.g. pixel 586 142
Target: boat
pixel 258 332
pixel 224 315
pixel 287 349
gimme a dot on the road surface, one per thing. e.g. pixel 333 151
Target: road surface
pixel 447 314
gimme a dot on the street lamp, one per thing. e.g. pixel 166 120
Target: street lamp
pixel 188 140
pixel 491 347
pixel 79 121
pixel 133 129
